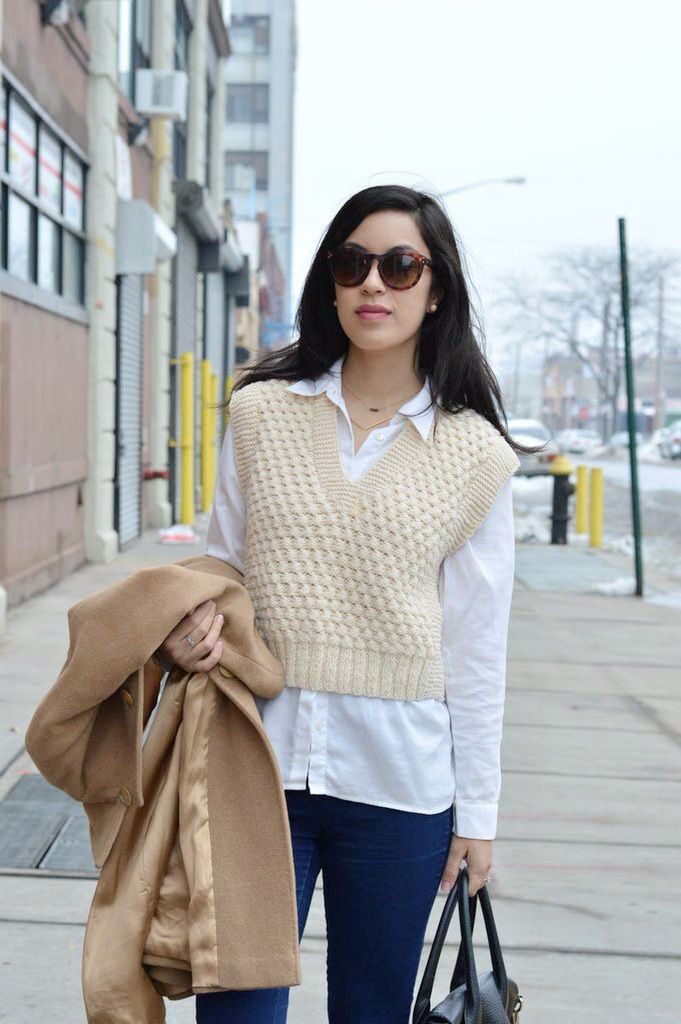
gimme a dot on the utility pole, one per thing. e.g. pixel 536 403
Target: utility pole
pixel 631 420
pixel 659 361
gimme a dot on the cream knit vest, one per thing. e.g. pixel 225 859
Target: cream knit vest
pixel 343 575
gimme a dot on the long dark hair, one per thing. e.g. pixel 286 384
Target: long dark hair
pixel 447 351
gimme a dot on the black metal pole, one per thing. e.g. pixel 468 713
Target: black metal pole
pixel 631 420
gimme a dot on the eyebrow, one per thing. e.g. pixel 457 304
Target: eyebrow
pixel 404 245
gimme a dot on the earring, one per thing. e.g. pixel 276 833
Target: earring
pixel 335 303
pixel 433 307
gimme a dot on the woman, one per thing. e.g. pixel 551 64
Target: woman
pixel 365 494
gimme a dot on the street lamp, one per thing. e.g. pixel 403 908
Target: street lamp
pixel 486 181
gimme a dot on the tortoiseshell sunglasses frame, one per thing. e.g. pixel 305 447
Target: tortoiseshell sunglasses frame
pixel 423 261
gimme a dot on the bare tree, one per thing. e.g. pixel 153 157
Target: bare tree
pixel 576 308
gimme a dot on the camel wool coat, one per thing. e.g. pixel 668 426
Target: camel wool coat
pixel 187 811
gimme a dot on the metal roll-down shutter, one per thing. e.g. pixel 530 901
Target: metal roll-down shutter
pixel 129 368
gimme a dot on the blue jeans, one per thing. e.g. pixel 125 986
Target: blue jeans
pixel 381 871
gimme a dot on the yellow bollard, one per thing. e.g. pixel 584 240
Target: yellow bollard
pixel 206 445
pixel 582 500
pixel 187 438
pixel 596 517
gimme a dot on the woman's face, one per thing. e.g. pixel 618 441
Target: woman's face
pixel 406 308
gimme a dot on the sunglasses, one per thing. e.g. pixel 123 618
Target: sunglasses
pixel 398 268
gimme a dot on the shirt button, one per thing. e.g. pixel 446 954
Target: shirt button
pixel 379 436
pixel 319 725
pixel 124 796
pixel 127 698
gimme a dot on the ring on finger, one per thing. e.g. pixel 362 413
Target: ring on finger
pixel 190 640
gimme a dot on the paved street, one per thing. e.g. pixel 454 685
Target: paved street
pixel 586 859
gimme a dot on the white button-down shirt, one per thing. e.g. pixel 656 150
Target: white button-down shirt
pixel 410 755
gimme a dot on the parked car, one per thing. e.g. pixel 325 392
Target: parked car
pixel 621 440
pixel 658 436
pixel 531 433
pixel 563 438
pixel 578 441
pixel 670 444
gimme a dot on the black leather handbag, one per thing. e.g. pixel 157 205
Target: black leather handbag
pixel 490 998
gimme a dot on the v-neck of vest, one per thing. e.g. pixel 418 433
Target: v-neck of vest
pixel 327 457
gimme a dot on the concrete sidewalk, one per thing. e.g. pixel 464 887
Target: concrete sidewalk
pixel 587 855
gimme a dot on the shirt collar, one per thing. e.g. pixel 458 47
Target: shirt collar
pixel 416 409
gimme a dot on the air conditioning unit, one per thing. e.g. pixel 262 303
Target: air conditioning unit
pixel 161 93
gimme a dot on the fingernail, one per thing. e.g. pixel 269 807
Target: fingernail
pixel 446 886
pixel 221 618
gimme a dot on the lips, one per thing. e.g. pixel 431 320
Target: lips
pixel 372 312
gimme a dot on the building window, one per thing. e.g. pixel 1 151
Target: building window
pixel 3 128
pixel 20 254
pixel 73 283
pixel 210 103
pixel 23 146
pixel 245 171
pixel 42 183
pixel 248 102
pixel 183 27
pixel 49 257
pixel 134 42
pixel 250 33
pixel 73 191
pixel 50 172
pixel 3 170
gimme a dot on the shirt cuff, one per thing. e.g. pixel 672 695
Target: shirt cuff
pixel 475 820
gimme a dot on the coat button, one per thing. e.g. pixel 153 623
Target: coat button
pixel 127 697
pixel 124 796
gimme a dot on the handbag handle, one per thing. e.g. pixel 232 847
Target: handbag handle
pixel 498 966
pixel 458 892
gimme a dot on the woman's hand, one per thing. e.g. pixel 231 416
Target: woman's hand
pixel 203 626
pixel 478 854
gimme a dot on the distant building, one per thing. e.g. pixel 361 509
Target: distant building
pixel 570 396
pixel 258 144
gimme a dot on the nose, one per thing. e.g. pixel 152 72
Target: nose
pixel 373 281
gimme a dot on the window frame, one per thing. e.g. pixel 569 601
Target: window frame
pixel 252 21
pixel 238 92
pixel 137 56
pixel 181 39
pixel 39 207
pixel 231 158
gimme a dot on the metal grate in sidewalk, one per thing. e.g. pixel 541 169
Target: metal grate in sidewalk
pixel 43 829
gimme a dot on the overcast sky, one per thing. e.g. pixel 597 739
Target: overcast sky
pixel 582 99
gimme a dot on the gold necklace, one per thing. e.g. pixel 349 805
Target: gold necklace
pixel 373 408
pixel 368 426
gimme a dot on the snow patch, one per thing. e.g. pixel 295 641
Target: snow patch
pixel 623 586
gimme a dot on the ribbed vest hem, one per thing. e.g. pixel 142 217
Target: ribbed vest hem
pixel 339 669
